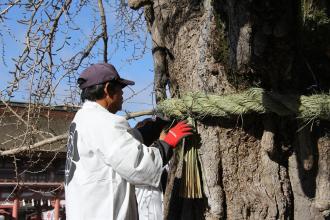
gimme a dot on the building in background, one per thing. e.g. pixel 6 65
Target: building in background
pixel 31 181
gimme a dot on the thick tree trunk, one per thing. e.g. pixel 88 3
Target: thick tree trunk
pixel 254 166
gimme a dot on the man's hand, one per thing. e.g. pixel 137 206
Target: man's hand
pixel 175 134
pixel 162 135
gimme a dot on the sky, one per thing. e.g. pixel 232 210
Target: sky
pixel 12 37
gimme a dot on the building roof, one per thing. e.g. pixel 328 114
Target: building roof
pixel 23 124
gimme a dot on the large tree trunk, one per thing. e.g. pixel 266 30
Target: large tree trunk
pixel 253 166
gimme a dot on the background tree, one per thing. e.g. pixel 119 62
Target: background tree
pixel 60 39
pixel 254 166
pixel 44 45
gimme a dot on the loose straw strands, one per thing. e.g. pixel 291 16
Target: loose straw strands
pixel 191 184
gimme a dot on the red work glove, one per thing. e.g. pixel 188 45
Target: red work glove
pixel 175 134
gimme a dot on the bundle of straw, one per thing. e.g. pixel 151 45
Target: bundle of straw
pixel 191 186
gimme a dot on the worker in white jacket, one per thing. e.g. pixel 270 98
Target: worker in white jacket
pixel 104 161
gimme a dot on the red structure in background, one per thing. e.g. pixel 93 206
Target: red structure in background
pixel 33 187
pixel 44 203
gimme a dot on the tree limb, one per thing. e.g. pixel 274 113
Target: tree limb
pixel 138 114
pixel 54 27
pixel 7 9
pixel 34 146
pixel 63 136
pixel 104 31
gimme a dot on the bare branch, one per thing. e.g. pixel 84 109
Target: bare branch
pixel 104 31
pixel 138 114
pixel 14 112
pixel 64 136
pixel 7 9
pixel 34 146
pixel 54 28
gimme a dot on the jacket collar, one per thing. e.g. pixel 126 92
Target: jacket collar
pixel 93 105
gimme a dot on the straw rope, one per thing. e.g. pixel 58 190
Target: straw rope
pixel 199 105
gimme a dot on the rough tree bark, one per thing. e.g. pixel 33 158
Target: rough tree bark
pixel 254 166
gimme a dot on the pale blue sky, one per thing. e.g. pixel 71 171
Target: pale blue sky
pixel 140 71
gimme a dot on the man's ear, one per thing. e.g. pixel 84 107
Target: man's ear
pixel 106 89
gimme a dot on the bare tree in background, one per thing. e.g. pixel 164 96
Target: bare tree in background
pixel 60 39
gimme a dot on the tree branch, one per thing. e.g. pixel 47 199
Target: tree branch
pixel 63 136
pixel 138 114
pixel 34 146
pixel 7 9
pixel 104 31
pixel 54 27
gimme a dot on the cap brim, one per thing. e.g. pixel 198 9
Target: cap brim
pixel 126 82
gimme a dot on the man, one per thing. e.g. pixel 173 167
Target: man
pixel 104 161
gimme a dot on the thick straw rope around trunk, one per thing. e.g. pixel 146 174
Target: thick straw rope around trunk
pixel 198 105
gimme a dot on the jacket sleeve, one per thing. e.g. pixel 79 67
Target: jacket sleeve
pixel 165 150
pixel 133 161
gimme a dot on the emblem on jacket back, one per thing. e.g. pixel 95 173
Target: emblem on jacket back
pixel 72 155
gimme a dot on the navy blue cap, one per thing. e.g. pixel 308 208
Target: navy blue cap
pixel 100 73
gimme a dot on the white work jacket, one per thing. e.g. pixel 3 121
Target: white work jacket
pixel 104 162
pixel 149 198
pixel 150 202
